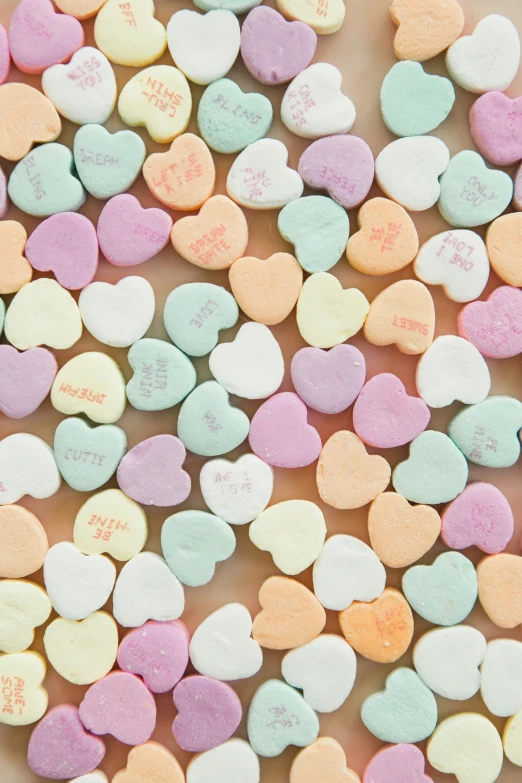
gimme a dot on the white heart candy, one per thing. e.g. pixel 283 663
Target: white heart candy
pixel 232 762
pixel 119 314
pixel 314 105
pixel 260 179
pixel 222 646
pixel 43 313
pixel 146 589
pixel 77 584
pixel 204 46
pixel 488 59
pixel 252 365
pixel 452 369
pixel 27 467
pixel 92 777
pixel 324 669
pixel 408 171
pixel 347 570
pixel 457 260
pixel 501 686
pixel 447 660
pixel 237 491
pixel 84 91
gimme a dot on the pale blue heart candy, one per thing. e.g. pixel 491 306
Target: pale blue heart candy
pixel 443 593
pixel 2 315
pixel 406 711
pixel 487 433
pixel 470 193
pixel 278 716
pixel 193 542
pixel 318 228
pixel 413 102
pixel 107 163
pixel 230 119
pixel 88 456
pixel 208 424
pixel 435 472
pixel 43 183
pixel 163 375
pixel 195 313
pixel 236 6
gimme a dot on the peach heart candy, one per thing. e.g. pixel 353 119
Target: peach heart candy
pixel 280 434
pixel 65 244
pixel 23 542
pixel 504 246
pixel 480 516
pixel 128 234
pixel 494 326
pixel 158 652
pixel 324 761
pixel 151 473
pixel 426 28
pixel 120 705
pixel 342 165
pixel 61 748
pixel 15 270
pixel 401 534
pixel 397 764
pixel 148 763
pixel 403 314
pixel 182 178
pixel 291 614
pixel 209 712
pixel 31 113
pixel 39 37
pixel 25 379
pixel 80 9
pixel 500 589
pixel 266 291
pixel 328 381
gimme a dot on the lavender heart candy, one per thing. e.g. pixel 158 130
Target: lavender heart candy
pixel 328 381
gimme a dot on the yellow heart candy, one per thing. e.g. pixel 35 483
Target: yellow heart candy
pixel 127 33
pixel 23 700
pixel 82 651
pixel 23 606
pixel 110 522
pixel 327 315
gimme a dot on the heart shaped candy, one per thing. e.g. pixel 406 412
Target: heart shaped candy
pixel 2 315
pixel 150 758
pixel 517 197
pixel 448 659
pixel 452 369
pixel 128 234
pixel 314 105
pixel 146 589
pixel 280 434
pixel 184 177
pixel 425 30
pixel 230 119
pixel 59 746
pixel 401 763
pixel 487 433
pixel 401 534
pixel 39 37
pixel 436 471
pixel 443 593
pixel 151 473
pixel 208 424
pixel 468 745
pixel 259 178
pixel 481 516
pixel 107 163
pixel 494 326
pixel 318 228
pixel 347 570
pixel 27 467
pixel 237 492
pixel 119 314
pixel 501 683
pixel 102 398
pixel 322 20
pixel 158 652
pixel 402 314
pixel 290 614
pixel 457 260
pixel 511 739
pixel 266 290
pixel 36 120
pixel 23 542
pixel 204 46
pixel 328 381
pixel 25 379
pixel 88 456
pixel 82 652
pixel 24 699
pixel 323 760
pixel 194 315
pixel 328 314
pixel 278 717
pixel 502 241
pixel 163 375
pixel 111 522
pixel 15 270
pixel 43 313
pixel 496 128
pixel 82 9
pixel 119 705
pixel 130 35
pixel 66 245
pixel 408 171
pixel 5 57
pixel 209 712
pixel 500 583
pixel 4 201
pixel 342 165
pixel 24 606
pixel 233 758
pixel 236 6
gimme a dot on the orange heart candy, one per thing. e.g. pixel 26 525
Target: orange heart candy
pixel 504 244
pixel 387 240
pixel 15 269
pixel 26 118
pixel 215 238
pixel 182 178
pixel 324 761
pixel 291 614
pixel 403 314
pixel 347 476
pixel 426 27
pixel 381 630
pixel 150 763
pixel 266 291
pixel 23 542
pixel 80 9
pixel 401 534
pixel 500 589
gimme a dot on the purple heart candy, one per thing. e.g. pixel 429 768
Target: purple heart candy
pixel 274 50
pixel 397 764
pixel 480 516
pixel 4 201
pixel 209 712
pixel 151 472
pixel 496 128
pixel 280 434
pixel 25 379
pixel 329 381
pixel 128 234
pixel 159 652
pixel 341 165
pixel 60 748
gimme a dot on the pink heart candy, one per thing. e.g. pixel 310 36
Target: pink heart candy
pixel 494 326
pixel 4 201
pixel 341 165
pixel 209 712
pixel 5 57
pixel 397 764
pixel 128 234
pixel 60 748
pixel 159 652
pixel 384 416
pixel 517 198
pixel 280 434
pixel 67 245
pixel 39 37
pixel 25 379
pixel 274 50
pixel 496 127
pixel 151 472
pixel 120 705
pixel 480 516
pixel 328 381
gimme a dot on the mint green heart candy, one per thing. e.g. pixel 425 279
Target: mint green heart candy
pixel 107 163
pixel 2 315
pixel 318 228
pixel 230 119
pixel 88 456
pixel 405 712
pixel 195 313
pixel 43 183
pixel 163 375
pixel 470 193
pixel 278 717
pixel 413 102
pixel 208 424
pixel 236 6
pixel 487 433
pixel 443 593
pixel 435 472
pixel 193 542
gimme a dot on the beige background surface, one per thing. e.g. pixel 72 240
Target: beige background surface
pixel 363 51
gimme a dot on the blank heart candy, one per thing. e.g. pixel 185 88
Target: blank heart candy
pixel 266 290
pixel 458 261
pixel 128 234
pixel 502 241
pixel 487 433
pixel 82 9
pixel 182 178
pixel 408 171
pixel 237 492
pixel 328 314
pixel 511 739
pixel 97 776
pixel 494 326
pixel 90 383
pixel 209 712
pixel 36 118
pixel 146 589
pixel 425 29
pixel 401 534
pixel 119 314
pixel 323 760
pixel 443 593
pixel 130 35
pixel 39 37
pixel 500 589
pixel 23 542
pixel 234 757
pixel 27 467
pixel 342 165
pixel 15 271
pixel 402 314
pixel 163 375
pixel 147 759
pixel 5 57
pixel 328 381
pixel 158 652
pixel 24 671
pixel 82 652
pixel 435 472
pixel 204 46
pixel 313 104
pixel 480 516
pixel 126 531
pixel 496 128
pixel 280 434
pixel 501 684
pixel 151 473
pixel 24 606
pixel 347 570
pixel 468 745
pixel 259 177
pixel 268 732
pixel 87 456
pixel 400 763
pixel 447 660
pixel 194 315
pixel 55 318
pixel 291 614
pixel 318 228
pixel 452 369
pixel 25 379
